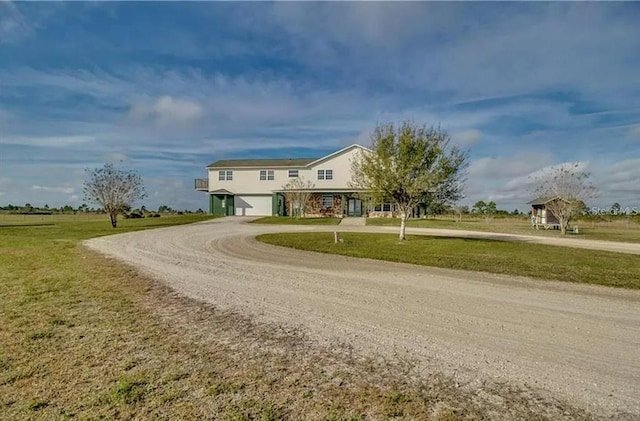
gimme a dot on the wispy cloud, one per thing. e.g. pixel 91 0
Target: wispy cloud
pixel 54 189
pixel 467 137
pixel 13 25
pixel 634 132
pixel 47 141
pixel 166 110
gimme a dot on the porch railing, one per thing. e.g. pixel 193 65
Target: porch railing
pixel 201 184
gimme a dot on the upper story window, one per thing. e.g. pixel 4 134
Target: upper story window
pixel 325 174
pixel 267 175
pixel 225 175
pixel 293 173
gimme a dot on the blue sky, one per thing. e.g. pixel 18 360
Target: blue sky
pixel 166 88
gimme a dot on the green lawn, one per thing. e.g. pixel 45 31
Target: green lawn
pixel 285 220
pixel 533 260
pixel 85 337
pixel 619 230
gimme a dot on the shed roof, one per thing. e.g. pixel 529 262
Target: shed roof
pixel 543 200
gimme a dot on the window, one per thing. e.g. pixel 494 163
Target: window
pixel 267 175
pixel 327 201
pixel 325 174
pixel 293 173
pixel 225 175
pixel 385 207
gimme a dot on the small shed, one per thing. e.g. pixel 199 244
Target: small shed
pixel 541 216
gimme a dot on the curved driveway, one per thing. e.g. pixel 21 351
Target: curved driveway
pixel 578 343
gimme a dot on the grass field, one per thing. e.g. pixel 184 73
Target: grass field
pixel 84 337
pixel 619 230
pixel 533 260
pixel 297 221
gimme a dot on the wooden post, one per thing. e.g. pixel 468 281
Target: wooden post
pixel 336 237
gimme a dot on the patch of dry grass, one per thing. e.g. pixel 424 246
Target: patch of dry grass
pixel 85 337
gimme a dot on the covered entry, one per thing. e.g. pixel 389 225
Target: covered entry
pixel 221 203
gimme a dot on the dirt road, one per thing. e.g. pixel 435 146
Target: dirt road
pixel 579 343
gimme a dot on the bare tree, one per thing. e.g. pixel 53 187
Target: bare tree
pixel 567 188
pixel 297 193
pixel 114 189
pixel 409 165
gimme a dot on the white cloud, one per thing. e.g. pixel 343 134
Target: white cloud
pixel 4 116
pixel 167 110
pixel 466 138
pixel 528 181
pixel 116 157
pixel 47 141
pixel 634 132
pixel 13 25
pixel 53 189
pixel 509 166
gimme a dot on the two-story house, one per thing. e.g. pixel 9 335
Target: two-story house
pixel 254 187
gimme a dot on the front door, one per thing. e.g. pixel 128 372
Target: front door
pixel 230 209
pixel 354 207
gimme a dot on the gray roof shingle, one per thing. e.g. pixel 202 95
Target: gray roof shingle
pixel 261 163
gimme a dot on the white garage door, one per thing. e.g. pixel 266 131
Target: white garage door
pixel 253 205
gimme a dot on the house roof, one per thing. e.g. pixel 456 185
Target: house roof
pixel 274 163
pixel 262 163
pixel 331 155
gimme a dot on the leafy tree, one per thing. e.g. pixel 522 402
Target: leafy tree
pixel 114 189
pixel 408 165
pixel 297 193
pixel 488 209
pixel 567 188
pixel 491 208
pixel 581 209
pixel 479 207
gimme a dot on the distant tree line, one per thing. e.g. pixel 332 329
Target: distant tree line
pixel 29 209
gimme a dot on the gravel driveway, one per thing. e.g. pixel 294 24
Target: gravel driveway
pixel 580 343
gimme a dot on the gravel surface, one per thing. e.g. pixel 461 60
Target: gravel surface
pixel 577 343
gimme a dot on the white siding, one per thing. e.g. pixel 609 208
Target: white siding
pixel 253 205
pixel 247 180
pixel 341 166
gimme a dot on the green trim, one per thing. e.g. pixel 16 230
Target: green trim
pixel 216 207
